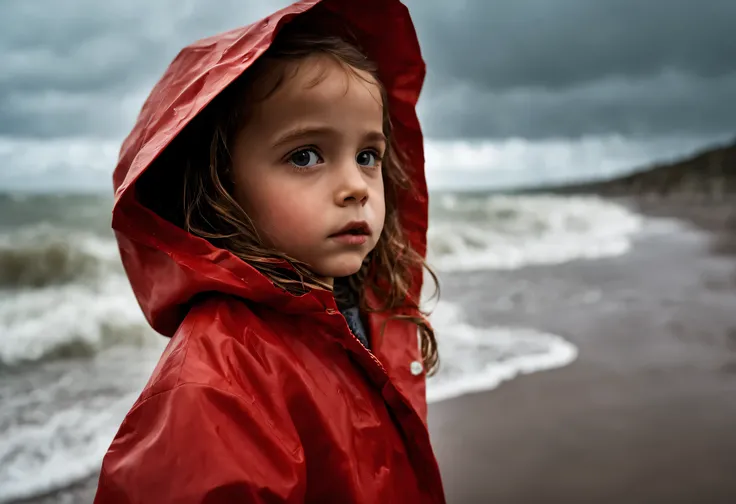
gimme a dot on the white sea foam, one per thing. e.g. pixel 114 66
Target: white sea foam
pixel 59 418
pixel 66 448
pixel 476 359
pixel 509 232
pixel 68 319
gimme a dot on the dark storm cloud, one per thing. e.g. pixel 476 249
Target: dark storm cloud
pixel 83 67
pixel 529 68
pixel 670 103
pixel 540 68
pixel 561 43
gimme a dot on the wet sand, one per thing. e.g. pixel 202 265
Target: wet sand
pixel 647 414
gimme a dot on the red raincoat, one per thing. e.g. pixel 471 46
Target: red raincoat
pixel 263 396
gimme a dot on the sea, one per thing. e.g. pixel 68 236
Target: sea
pixel 75 350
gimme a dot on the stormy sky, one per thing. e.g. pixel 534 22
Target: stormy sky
pixel 517 91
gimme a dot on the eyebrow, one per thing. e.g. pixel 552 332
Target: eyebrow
pixel 323 131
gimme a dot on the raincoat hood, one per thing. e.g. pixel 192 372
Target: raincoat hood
pixel 168 266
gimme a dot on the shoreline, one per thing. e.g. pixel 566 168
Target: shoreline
pixel 642 415
pixel 645 414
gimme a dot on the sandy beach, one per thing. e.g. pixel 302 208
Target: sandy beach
pixel 647 412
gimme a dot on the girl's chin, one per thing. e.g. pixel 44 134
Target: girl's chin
pixel 340 266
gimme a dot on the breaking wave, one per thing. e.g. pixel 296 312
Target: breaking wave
pixel 508 232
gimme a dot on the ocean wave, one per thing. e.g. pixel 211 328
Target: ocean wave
pixel 38 449
pixel 63 293
pixel 58 420
pixel 481 358
pixel 509 232
pixel 41 256
pixel 69 320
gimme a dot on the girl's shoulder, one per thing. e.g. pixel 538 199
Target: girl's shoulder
pixel 220 339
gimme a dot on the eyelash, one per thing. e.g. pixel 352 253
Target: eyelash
pixel 372 150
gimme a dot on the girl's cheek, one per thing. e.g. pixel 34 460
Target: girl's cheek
pixel 289 216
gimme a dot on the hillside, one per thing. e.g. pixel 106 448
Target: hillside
pixel 709 175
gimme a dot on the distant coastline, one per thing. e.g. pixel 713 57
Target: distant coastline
pixel 709 174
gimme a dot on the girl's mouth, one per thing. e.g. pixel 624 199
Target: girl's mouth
pixel 354 228
pixel 354 233
pixel 350 238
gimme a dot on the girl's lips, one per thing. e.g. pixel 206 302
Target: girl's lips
pixel 353 233
pixel 355 227
pixel 350 238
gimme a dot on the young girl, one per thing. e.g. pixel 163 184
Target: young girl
pixel 271 213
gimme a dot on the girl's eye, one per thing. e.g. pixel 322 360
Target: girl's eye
pixel 305 158
pixel 367 158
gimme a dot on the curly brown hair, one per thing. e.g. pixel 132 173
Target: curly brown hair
pixel 209 210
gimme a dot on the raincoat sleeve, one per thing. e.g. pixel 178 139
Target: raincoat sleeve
pixel 197 444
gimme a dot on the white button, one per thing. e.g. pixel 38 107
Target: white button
pixel 416 368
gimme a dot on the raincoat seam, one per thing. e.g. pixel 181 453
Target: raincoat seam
pixel 240 399
pixel 176 256
pixel 187 342
pixel 178 383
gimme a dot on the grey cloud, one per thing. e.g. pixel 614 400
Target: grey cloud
pixel 540 69
pixel 670 103
pixel 51 113
pixel 556 44
pixel 69 68
pixel 528 68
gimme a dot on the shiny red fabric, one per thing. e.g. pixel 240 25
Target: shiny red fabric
pixel 263 396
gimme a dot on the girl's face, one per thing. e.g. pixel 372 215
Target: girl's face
pixel 307 166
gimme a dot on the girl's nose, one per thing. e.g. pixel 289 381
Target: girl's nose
pixel 353 187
